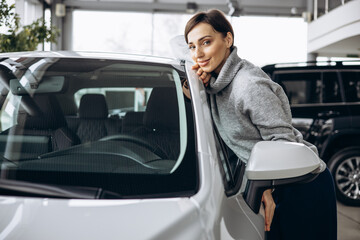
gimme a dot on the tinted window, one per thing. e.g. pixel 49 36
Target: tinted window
pixel 310 88
pixel 301 88
pixel 121 128
pixel 351 81
pixel 330 88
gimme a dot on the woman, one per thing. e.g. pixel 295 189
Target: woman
pixel 248 107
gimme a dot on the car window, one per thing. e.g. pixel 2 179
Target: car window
pixel 330 88
pixel 119 100
pixel 311 87
pixel 351 82
pixel 118 126
pixel 231 167
pixel 301 88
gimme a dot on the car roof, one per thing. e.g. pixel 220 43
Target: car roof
pixel 100 55
pixel 313 65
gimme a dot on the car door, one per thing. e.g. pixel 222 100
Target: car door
pixel 228 209
pixel 226 214
pixel 311 93
pixel 350 79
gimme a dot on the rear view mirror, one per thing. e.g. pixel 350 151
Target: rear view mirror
pixel 51 84
pixel 275 163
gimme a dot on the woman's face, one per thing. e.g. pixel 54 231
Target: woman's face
pixel 208 47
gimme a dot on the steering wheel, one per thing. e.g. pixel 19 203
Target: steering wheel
pixel 139 141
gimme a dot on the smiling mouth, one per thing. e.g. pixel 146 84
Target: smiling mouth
pixel 203 63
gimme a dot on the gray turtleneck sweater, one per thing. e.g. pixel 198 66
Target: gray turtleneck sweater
pixel 248 107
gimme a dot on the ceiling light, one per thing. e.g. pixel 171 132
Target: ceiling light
pixel 191 7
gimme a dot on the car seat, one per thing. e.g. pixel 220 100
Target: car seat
pixel 41 115
pixel 161 121
pixel 93 119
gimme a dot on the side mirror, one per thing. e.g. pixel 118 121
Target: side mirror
pixel 274 163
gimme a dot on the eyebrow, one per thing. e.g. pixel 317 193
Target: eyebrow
pixel 200 39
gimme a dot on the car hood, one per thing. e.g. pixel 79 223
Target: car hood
pixel 35 218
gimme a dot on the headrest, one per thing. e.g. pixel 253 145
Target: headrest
pixel 93 106
pixel 41 112
pixel 162 111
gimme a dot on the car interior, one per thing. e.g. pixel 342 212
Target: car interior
pixel 65 134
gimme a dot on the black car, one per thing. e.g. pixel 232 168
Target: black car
pixel 325 104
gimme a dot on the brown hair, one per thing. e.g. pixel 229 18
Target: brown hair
pixel 213 17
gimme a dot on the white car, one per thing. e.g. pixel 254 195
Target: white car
pixel 106 146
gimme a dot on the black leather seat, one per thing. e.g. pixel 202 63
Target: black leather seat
pixel 161 122
pixel 131 121
pixel 41 115
pixel 93 119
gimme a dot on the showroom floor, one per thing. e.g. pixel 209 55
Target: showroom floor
pixel 348 222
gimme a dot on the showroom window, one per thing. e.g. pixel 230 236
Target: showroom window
pixel 139 33
pixel 150 34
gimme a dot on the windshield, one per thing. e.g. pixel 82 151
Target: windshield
pixel 122 128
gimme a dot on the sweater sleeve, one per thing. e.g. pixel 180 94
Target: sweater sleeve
pixel 267 106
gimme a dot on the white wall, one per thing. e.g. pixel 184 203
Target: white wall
pixel 28 10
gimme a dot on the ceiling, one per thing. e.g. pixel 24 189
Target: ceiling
pixel 348 47
pixel 284 8
pixel 231 7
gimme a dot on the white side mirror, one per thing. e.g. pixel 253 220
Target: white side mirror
pixel 275 164
pixel 271 160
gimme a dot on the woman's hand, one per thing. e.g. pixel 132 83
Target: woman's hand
pixel 203 76
pixel 269 205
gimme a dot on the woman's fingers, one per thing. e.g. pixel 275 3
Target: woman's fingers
pixel 203 76
pixel 269 205
pixel 206 80
pixel 195 66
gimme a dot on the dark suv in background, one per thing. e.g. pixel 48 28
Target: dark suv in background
pixel 325 104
